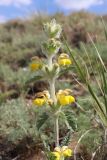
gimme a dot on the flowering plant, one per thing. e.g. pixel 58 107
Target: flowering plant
pixel 58 101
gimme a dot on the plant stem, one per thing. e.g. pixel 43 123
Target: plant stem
pixel 50 61
pixel 53 96
pixel 56 124
pixel 56 132
pixel 52 90
pixel 62 158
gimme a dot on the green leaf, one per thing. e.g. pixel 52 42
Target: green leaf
pixel 104 87
pixel 98 54
pixel 42 120
pixel 66 139
pixel 100 108
pixel 51 156
pixel 71 120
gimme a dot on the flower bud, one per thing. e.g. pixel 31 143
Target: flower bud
pixel 55 70
pixel 36 64
pixel 52 29
pixel 51 47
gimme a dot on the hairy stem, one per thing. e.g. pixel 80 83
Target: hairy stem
pixel 56 131
pixel 53 96
pixel 56 124
pixel 50 61
pixel 52 90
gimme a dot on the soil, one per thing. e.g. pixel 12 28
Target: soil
pixel 26 149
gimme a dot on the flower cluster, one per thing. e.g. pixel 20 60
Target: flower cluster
pixel 53 44
pixel 63 98
pixel 52 29
pixel 61 153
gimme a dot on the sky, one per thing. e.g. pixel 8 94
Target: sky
pixel 10 9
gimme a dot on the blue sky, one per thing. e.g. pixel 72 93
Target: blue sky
pixel 10 9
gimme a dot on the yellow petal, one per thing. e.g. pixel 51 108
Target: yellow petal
pixel 65 100
pixel 35 66
pixel 39 101
pixel 57 155
pixel 64 62
pixel 68 61
pixel 71 99
pixel 67 152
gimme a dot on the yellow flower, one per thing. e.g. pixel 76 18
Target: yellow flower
pixel 64 97
pixel 64 60
pixel 35 66
pixel 67 152
pixel 57 155
pixel 62 152
pixel 66 100
pixel 39 101
pixel 35 63
pixel 71 99
pixel 42 98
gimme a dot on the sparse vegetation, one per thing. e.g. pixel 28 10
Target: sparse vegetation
pixel 20 40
